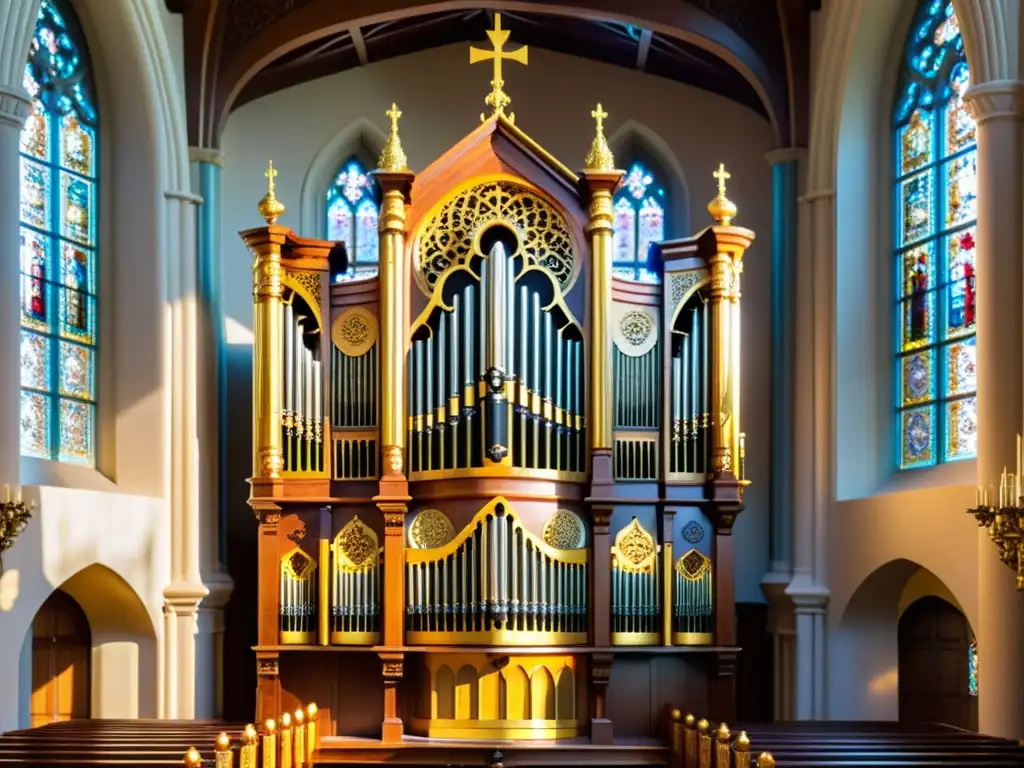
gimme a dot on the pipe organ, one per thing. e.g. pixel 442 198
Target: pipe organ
pixel 520 446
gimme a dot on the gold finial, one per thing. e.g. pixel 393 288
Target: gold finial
pixel 270 208
pixel 722 209
pixel 223 743
pixel 497 99
pixel 600 157
pixel 192 758
pixel 392 157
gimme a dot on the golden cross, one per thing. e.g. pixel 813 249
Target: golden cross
pixel 721 174
pixel 394 113
pixel 270 173
pixel 498 99
pixel 599 114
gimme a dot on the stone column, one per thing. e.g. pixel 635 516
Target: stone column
pixel 212 424
pixel 188 496
pixel 1000 348
pixel 812 453
pixel 785 165
pixel 14 108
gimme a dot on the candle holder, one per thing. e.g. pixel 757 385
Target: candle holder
pixel 1006 528
pixel 14 517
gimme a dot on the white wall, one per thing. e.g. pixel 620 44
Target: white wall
pixel 441 98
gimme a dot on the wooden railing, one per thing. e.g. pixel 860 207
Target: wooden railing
pixel 290 742
pixel 693 744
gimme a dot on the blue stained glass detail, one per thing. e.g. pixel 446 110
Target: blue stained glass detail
pixel 639 222
pixel 972 669
pixel 352 209
pixel 935 194
pixel 58 243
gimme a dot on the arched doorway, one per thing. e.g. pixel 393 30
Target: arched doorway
pixel 934 665
pixel 61 649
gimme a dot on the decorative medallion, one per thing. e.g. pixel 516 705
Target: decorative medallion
pixel 681 283
pixel 449 237
pixel 693 532
pixel 431 529
pixel 564 530
pixel 356 543
pixel 634 546
pixel 354 331
pixel 693 565
pixel 298 564
pixel 635 329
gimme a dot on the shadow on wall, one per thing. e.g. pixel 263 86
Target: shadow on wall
pixel 864 645
pixel 123 655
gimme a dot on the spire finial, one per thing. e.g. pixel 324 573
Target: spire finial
pixel 722 209
pixel 497 99
pixel 270 208
pixel 600 157
pixel 392 157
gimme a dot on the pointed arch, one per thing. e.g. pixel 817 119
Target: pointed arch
pixel 935 176
pixel 59 243
pixel 652 203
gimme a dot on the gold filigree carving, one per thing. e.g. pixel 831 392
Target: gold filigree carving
pixel 393 669
pixel 393 460
pixel 310 281
pixel 356 547
pixel 634 548
pixel 431 529
pixel 267 668
pixel 268 277
pixel 680 284
pixel 564 530
pixel 693 565
pixel 448 237
pixel 354 331
pixel 635 331
pixel 298 564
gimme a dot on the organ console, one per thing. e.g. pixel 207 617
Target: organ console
pixel 476 470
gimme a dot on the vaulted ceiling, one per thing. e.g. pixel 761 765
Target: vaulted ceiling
pixel 755 52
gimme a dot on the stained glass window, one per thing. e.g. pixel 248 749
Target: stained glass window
pixel 936 209
pixel 639 221
pixel 972 669
pixel 59 244
pixel 352 207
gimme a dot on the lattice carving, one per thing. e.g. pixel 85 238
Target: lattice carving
pixel 448 237
pixel 431 529
pixel 680 284
pixel 693 565
pixel 564 530
pixel 298 565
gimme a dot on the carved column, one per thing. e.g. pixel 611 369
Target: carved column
pixel 600 622
pixel 268 607
pixel 997 107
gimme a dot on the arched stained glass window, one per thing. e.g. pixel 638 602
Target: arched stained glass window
pixel 640 206
pixel 352 207
pixel 58 244
pixel 936 209
pixel 972 669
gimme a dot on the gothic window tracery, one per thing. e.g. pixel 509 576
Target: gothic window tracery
pixel 352 208
pixel 936 211
pixel 58 213
pixel 640 206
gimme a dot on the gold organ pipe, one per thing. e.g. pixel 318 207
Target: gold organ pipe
pixel 324 572
pixel 666 588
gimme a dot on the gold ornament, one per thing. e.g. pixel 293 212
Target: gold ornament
pixel 681 283
pixel 357 543
pixel 448 237
pixel 270 208
pixel 431 529
pixel 392 157
pixel 634 547
pixel 298 564
pixel 600 158
pixel 564 530
pixel 693 565
pixel 354 331
pixel 497 99
pixel 722 209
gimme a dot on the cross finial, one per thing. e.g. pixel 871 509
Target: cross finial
pixel 394 113
pixel 270 207
pixel 392 157
pixel 599 114
pixel 600 157
pixel 271 174
pixel 721 175
pixel 497 99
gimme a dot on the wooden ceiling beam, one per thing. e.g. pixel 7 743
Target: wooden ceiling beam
pixel 643 49
pixel 360 45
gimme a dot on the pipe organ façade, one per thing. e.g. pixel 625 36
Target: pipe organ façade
pixel 496 485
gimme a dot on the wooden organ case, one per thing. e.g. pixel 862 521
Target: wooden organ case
pixel 495 484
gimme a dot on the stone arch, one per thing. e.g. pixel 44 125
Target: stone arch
pixel 635 139
pixel 863 642
pixel 123 662
pixel 360 138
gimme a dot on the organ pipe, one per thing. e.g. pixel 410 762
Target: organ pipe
pixel 297 598
pixel 302 413
pixel 690 427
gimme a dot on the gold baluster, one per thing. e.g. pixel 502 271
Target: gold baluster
pixel 247 754
pixel 722 751
pixel 690 742
pixel 269 744
pixel 193 759
pixel 223 756
pixel 704 745
pixel 765 761
pixel 741 751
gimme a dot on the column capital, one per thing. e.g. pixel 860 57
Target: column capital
pixel 786 155
pixel 206 155
pixel 183 598
pixel 14 106
pixel 996 100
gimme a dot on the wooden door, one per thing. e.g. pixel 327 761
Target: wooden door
pixel 934 666
pixel 61 647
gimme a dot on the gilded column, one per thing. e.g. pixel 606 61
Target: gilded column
pixel 601 179
pixel 395 180
pixel 268 363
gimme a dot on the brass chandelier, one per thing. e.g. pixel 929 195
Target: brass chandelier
pixel 1000 509
pixel 14 517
